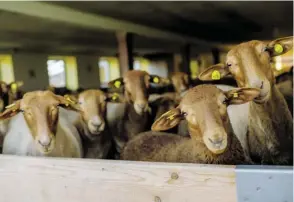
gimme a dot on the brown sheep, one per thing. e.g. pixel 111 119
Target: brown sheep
pixel 269 136
pixel 41 129
pixel 166 101
pixel 92 124
pixel 128 119
pixel 211 137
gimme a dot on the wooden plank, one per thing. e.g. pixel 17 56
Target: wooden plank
pixel 31 179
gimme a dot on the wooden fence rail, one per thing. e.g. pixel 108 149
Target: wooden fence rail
pixel 32 179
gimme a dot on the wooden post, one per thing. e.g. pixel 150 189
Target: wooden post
pixel 186 59
pixel 215 55
pixel 177 60
pixel 125 51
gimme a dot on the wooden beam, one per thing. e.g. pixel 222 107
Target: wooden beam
pixel 125 51
pixel 216 55
pixel 31 179
pixel 186 59
pixel 93 21
pixel 177 60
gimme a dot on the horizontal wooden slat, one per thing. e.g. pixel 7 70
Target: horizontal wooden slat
pixel 30 179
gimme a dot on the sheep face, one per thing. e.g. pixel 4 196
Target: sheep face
pixel 250 64
pixel 205 109
pixel 136 84
pixel 40 110
pixel 93 106
pixel 180 81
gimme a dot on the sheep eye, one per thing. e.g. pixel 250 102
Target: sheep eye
pixel 21 110
pixel 184 114
pixel 229 64
pixel 226 101
pixel 265 49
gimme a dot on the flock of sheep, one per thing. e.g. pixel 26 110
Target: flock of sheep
pixel 208 123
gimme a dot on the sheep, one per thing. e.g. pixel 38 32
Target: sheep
pixel 41 129
pixel 4 98
pixel 162 103
pixel 131 117
pixel 269 125
pixel 211 137
pixel 285 86
pixel 91 123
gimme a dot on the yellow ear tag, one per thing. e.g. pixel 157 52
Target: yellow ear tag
pixel 14 87
pixel 278 48
pixel 117 84
pixel 70 100
pixel 171 117
pixel 235 95
pixel 114 97
pixel 215 75
pixel 156 80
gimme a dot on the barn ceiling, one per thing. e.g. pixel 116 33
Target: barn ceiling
pixel 167 26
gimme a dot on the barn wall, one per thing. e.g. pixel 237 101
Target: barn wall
pixel 88 71
pixel 24 64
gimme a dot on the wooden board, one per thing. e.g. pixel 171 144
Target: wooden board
pixel 31 179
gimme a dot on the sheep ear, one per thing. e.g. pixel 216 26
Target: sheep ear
pixel 68 103
pixel 242 95
pixel 215 72
pixel 115 98
pixel 11 110
pixel 116 83
pixel 280 46
pixel 168 120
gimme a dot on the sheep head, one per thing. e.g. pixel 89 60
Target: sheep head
pixel 250 64
pixel 93 106
pixel 180 81
pixel 205 109
pixel 136 84
pixel 40 110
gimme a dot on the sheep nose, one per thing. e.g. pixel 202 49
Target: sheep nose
pixel 44 141
pixel 216 141
pixel 95 123
pixel 142 106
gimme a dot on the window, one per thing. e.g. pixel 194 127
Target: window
pixel 6 69
pixel 194 68
pixel 104 71
pixel 137 65
pixel 159 68
pixel 108 70
pixel 62 72
pixel 56 73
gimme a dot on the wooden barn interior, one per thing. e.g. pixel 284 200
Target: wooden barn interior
pixel 73 46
